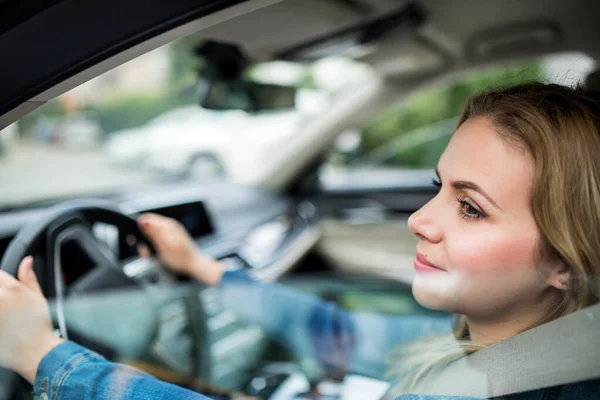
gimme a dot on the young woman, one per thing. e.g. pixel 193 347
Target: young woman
pixel 511 241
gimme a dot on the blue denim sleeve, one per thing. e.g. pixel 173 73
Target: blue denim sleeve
pixel 338 340
pixel 334 340
pixel 71 372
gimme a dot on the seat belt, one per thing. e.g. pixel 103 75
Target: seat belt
pixel 563 351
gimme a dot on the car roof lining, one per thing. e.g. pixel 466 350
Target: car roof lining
pixel 457 29
pixel 447 39
pixel 15 12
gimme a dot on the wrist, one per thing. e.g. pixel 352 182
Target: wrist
pixel 30 362
pixel 206 270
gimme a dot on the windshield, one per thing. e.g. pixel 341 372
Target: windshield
pixel 141 123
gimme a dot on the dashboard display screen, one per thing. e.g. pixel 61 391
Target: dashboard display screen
pixel 191 215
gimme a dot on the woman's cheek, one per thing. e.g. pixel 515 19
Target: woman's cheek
pixel 487 253
pixel 490 272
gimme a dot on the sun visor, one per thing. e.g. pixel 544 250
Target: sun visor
pixel 335 26
pixel 515 39
pixel 405 57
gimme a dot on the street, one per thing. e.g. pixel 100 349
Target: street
pixel 30 172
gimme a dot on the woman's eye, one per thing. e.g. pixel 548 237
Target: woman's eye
pixel 468 210
pixel 436 182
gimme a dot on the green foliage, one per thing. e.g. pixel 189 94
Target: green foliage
pixel 185 65
pixel 136 110
pixel 437 105
pixel 425 155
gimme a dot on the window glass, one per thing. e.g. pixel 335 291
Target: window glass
pixel 414 134
pixel 143 123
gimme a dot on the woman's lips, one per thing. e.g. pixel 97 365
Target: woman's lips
pixel 423 265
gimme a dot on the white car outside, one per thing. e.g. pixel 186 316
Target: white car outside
pixel 132 146
pixel 203 143
pixel 228 146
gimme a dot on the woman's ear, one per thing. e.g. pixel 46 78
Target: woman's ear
pixel 560 278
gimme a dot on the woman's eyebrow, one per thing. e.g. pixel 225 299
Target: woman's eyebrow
pixel 467 185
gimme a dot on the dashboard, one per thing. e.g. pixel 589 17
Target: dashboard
pixel 245 228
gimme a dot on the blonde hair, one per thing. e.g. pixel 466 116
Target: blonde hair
pixel 560 128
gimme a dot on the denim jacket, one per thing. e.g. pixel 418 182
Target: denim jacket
pixel 339 342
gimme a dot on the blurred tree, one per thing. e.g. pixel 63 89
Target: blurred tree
pixel 136 110
pixel 441 104
pixel 184 63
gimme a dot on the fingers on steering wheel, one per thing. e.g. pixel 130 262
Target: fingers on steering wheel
pixel 6 279
pixel 154 226
pixel 27 276
pixel 148 225
pixel 144 251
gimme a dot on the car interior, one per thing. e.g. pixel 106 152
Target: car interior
pixel 344 239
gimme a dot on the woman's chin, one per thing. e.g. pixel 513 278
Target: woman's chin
pixel 435 293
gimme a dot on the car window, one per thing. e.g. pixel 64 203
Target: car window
pixel 413 134
pixel 143 123
pixel 420 148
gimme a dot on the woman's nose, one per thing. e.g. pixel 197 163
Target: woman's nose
pixel 425 223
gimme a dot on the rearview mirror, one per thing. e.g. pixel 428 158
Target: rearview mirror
pixel 245 95
pixel 224 83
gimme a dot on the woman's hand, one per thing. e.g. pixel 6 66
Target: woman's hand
pixel 26 333
pixel 177 250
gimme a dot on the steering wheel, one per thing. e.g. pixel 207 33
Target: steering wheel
pixel 103 309
pixel 85 299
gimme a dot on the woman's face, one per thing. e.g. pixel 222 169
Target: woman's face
pixel 479 230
